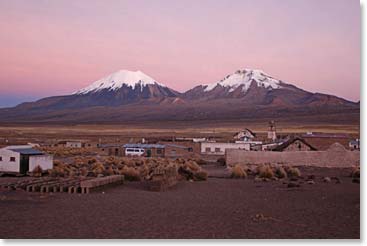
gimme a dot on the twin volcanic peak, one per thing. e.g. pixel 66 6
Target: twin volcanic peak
pixel 119 79
pixel 127 95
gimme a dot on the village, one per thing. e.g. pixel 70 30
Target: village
pixel 79 159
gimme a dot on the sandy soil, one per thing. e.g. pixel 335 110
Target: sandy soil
pixel 217 208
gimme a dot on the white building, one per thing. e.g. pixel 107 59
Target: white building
pixel 23 159
pixel 215 148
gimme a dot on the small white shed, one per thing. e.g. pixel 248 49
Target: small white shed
pixel 23 159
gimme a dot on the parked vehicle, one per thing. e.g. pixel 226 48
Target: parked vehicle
pixel 134 152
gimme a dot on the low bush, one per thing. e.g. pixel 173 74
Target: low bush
pixel 130 174
pixel 293 172
pixel 37 171
pixel 201 175
pixel 238 172
pixel 265 171
pixel 356 172
pixel 280 172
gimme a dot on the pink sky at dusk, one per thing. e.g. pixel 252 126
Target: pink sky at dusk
pixel 57 47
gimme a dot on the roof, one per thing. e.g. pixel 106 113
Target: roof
pixel 246 129
pixel 109 145
pixel 145 146
pixel 178 146
pixel 289 142
pixel 28 151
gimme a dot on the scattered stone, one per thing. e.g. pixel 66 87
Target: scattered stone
pixel 327 179
pixel 258 179
pixel 311 182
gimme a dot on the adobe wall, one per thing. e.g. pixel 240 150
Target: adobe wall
pixel 335 156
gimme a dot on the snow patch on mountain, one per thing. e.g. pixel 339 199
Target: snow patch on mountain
pixel 116 80
pixel 244 78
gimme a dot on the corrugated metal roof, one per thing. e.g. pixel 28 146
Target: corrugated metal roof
pixel 145 146
pixel 28 151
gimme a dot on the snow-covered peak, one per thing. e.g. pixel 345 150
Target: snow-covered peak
pixel 244 78
pixel 116 80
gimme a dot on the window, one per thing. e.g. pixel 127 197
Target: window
pixel 217 149
pixel 207 149
pixel 12 159
pixel 190 149
pixel 159 151
pixel 1 158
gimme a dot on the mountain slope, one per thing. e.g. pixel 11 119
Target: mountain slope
pixel 254 87
pixel 126 96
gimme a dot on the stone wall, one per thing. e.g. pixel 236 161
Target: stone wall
pixel 335 156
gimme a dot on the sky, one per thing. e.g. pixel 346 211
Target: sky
pixel 52 48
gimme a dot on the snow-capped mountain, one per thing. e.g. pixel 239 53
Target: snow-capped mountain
pixel 126 95
pixel 118 80
pixel 243 79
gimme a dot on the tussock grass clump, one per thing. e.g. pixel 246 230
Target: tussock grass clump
pixel 130 174
pixel 355 172
pixel 238 172
pixel 201 175
pixel 293 172
pixel 280 172
pixel 37 171
pixel 265 171
pixel 192 165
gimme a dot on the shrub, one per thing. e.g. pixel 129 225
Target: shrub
pixel 193 166
pixel 84 171
pixel 200 175
pixel 92 160
pixel 130 174
pixel 238 172
pixel 293 172
pixel 280 172
pixel 265 171
pixel 37 171
pixel 356 172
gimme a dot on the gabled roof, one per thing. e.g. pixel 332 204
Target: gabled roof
pixel 28 151
pixel 290 141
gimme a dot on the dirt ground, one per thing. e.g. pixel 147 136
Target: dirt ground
pixel 217 208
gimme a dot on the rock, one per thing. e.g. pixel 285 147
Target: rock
pixel 327 179
pixel 274 178
pixel 311 182
pixel 100 175
pixel 311 176
pixel 292 185
pixel 257 179
pixel 337 180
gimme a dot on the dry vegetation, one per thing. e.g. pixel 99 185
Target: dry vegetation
pixel 265 172
pixel 134 169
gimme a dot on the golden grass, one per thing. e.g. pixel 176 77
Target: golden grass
pixel 238 172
